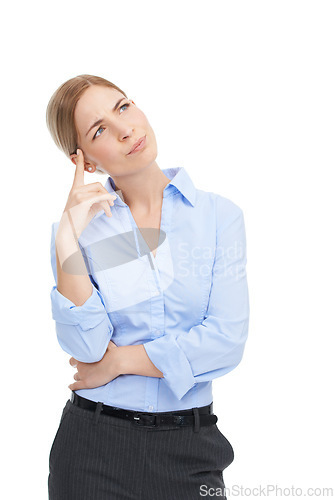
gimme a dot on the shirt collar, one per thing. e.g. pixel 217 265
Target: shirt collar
pixel 179 181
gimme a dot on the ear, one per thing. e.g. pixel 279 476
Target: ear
pixel 89 167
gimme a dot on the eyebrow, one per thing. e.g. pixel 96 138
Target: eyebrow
pixel 100 120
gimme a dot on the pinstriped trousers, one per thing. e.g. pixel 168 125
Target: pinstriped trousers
pixel 101 457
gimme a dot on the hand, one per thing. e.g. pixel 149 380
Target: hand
pixel 85 201
pixel 91 375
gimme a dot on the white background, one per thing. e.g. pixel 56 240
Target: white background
pixel 240 93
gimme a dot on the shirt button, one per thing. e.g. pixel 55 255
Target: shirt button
pixel 150 407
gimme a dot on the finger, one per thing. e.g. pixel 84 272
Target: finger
pixel 76 376
pixel 79 170
pixel 95 187
pixel 106 208
pixel 94 197
pixel 98 189
pixel 76 386
pixel 105 200
pixel 73 362
pixel 102 201
pixel 104 205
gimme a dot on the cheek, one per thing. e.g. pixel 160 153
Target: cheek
pixel 106 152
pixel 141 119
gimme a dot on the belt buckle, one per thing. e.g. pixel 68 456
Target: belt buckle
pixel 141 419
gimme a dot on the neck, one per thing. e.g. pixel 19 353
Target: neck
pixel 143 190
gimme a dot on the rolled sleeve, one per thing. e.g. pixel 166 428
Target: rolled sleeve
pixel 88 315
pixel 166 354
pixel 216 346
pixel 82 331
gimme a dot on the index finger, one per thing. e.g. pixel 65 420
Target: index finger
pixel 79 170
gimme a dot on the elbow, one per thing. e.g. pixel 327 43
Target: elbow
pixel 83 353
pixel 236 355
pixel 95 356
pixel 86 347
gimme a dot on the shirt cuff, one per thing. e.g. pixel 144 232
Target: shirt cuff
pixel 88 315
pixel 168 357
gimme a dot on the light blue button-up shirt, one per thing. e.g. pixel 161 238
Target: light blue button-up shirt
pixel 189 305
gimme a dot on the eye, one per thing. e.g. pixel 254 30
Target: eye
pixel 126 105
pixel 96 133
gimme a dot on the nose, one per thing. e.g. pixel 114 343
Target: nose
pixel 125 132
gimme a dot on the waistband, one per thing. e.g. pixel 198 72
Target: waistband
pixel 197 416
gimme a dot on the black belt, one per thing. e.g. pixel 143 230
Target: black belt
pixel 199 416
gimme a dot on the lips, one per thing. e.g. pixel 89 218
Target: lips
pixel 138 145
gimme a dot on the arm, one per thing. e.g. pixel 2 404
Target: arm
pixel 83 331
pixel 133 359
pixel 118 360
pixel 73 281
pixel 214 347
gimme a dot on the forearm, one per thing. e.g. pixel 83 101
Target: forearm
pixel 134 360
pixel 72 279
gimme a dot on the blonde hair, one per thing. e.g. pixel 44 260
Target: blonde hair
pixel 60 111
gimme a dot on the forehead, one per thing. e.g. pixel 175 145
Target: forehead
pixel 93 104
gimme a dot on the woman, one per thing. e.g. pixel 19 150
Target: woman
pixel 151 302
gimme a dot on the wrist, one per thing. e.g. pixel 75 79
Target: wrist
pixel 68 250
pixel 120 360
pixel 64 237
pixel 133 360
pixel 116 358
pixel 65 226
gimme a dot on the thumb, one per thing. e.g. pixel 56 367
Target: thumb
pixel 76 386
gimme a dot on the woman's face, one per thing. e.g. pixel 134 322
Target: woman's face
pixel 108 143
